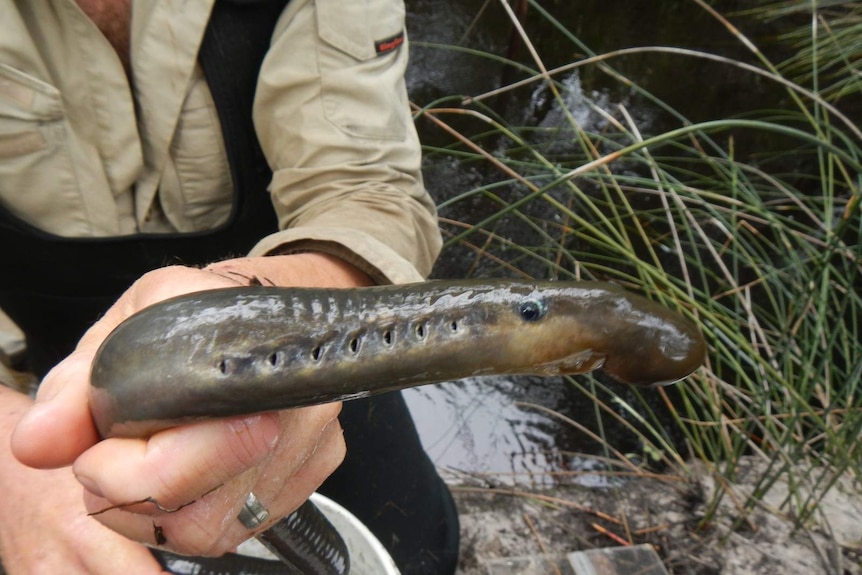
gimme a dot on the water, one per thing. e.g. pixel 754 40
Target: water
pixel 489 430
pixel 482 426
pixel 476 427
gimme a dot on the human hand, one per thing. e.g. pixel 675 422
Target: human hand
pixel 44 528
pixel 199 474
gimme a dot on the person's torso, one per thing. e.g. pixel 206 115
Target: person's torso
pixel 87 151
pixel 57 282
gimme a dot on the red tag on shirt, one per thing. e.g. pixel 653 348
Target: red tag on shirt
pixel 389 44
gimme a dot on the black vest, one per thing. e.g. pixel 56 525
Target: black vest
pixel 54 288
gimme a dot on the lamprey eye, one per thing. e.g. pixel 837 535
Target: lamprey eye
pixel 532 309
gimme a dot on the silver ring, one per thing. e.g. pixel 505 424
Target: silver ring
pixel 253 513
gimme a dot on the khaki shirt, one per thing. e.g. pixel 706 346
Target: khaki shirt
pixel 83 154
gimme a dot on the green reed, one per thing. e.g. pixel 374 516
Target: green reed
pixel 762 250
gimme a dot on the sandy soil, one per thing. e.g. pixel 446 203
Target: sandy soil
pixel 506 530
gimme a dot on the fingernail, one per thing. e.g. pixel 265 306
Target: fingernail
pixel 89 485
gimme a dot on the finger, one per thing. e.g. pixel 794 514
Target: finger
pixel 209 525
pixel 284 494
pixel 280 489
pixel 302 430
pixel 134 528
pixel 177 465
pixel 281 494
pixel 58 427
pixel 284 483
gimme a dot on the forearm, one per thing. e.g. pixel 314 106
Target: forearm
pixel 333 119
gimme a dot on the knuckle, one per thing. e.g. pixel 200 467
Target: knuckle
pixel 248 440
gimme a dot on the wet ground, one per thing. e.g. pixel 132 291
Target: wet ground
pixel 530 532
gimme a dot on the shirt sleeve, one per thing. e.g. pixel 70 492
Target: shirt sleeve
pixel 332 117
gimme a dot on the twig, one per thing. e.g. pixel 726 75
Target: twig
pixel 541 543
pixel 611 535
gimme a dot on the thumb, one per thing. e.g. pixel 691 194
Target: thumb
pixel 58 427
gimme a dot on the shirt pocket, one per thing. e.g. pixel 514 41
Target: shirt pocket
pixel 37 179
pixel 362 66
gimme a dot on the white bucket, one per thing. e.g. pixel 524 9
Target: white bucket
pixel 367 554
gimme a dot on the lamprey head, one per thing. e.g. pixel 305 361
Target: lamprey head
pixel 634 340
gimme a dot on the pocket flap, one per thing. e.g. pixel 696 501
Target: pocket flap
pixel 363 28
pixel 27 98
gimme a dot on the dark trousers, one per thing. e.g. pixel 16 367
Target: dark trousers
pixel 389 483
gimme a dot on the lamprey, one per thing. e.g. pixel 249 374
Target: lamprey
pixel 244 350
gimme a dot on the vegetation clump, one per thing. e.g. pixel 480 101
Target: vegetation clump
pixel 746 221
